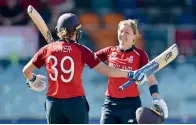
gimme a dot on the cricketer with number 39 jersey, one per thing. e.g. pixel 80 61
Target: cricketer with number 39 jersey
pixel 131 59
pixel 64 64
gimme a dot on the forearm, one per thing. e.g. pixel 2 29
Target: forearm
pixel 28 70
pixel 110 71
pixel 113 72
pixel 153 87
pixel 28 75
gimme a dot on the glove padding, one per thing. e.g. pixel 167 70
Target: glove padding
pixel 38 84
pixel 138 76
pixel 160 107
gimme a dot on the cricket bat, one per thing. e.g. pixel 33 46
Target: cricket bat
pixel 156 64
pixel 40 23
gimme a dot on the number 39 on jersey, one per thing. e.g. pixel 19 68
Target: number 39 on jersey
pixel 60 72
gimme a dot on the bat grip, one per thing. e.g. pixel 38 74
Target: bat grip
pixel 125 85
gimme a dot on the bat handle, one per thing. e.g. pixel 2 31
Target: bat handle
pixel 125 85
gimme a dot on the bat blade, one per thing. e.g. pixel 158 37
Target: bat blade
pixel 161 61
pixel 156 64
pixel 40 23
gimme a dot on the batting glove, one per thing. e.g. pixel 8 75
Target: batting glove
pixel 160 107
pixel 138 76
pixel 37 83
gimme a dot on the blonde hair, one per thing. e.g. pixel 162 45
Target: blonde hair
pixel 133 23
pixel 63 34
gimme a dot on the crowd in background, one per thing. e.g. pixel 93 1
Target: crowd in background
pixel 161 23
pixel 100 18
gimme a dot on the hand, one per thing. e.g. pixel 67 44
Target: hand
pixel 160 106
pixel 138 76
pixel 38 84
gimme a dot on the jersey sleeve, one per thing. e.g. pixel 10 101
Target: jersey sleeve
pixel 89 57
pixel 144 59
pixel 38 59
pixel 102 54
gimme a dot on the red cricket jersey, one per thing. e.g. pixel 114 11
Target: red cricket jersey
pixel 64 64
pixel 131 60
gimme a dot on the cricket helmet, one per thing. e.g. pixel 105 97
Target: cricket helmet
pixel 148 116
pixel 69 23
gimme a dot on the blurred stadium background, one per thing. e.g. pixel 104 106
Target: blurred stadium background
pixel 161 23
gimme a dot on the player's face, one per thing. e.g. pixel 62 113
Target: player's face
pixel 125 35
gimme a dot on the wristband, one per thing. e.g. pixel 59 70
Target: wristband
pixel 154 89
pixel 33 79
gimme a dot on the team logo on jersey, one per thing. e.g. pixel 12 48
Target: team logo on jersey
pixel 95 56
pixel 113 56
pixel 113 49
pixel 130 59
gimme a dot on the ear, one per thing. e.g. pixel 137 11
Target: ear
pixel 136 38
pixel 133 42
pixel 74 34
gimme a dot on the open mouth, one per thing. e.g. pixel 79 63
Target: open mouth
pixel 122 39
